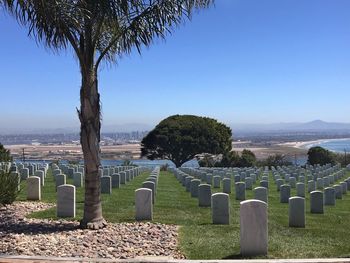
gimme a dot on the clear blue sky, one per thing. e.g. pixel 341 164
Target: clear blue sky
pixel 241 61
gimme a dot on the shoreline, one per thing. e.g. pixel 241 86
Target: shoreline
pixel 304 145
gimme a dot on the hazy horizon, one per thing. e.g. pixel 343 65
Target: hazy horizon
pixel 131 127
pixel 243 62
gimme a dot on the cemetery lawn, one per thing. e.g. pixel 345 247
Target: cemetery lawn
pixel 324 236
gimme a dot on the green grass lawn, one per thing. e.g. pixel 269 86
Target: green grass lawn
pixel 324 236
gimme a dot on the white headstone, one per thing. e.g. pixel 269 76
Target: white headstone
pixel 150 185
pixel 106 185
pixel 316 202
pixel 253 228
pixel 220 205
pixel 41 175
pixel 329 196
pixel 226 185
pixel 261 193
pixel 194 187
pixel 143 204
pixel 297 211
pixel 66 200
pixel 204 195
pixel 33 188
pixel 78 179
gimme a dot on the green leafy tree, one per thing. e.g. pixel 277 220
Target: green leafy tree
pixel 180 137
pixel 319 155
pixel 247 159
pixel 8 188
pixel 97 31
pixel 5 155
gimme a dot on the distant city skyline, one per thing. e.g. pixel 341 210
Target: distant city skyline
pixel 241 61
pixel 315 126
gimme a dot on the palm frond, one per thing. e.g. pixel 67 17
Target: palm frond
pixel 137 23
pixel 108 28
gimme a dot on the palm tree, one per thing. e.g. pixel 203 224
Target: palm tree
pixel 98 30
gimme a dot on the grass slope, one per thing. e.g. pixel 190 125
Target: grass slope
pixel 324 236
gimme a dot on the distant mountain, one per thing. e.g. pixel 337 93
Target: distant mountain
pixel 316 125
pixel 322 125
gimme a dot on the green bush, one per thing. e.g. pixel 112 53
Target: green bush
pixel 228 159
pixel 319 155
pixel 5 155
pixel 275 160
pixel 247 159
pixel 8 188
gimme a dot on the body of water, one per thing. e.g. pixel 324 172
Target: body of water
pixel 336 145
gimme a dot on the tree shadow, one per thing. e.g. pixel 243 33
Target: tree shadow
pixel 34 228
pixel 234 256
pixel 240 256
pixel 204 224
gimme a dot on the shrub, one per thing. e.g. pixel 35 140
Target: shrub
pixel 8 188
pixel 5 155
pixel 247 159
pixel 319 155
pixel 164 167
pixel 342 158
pixel 275 160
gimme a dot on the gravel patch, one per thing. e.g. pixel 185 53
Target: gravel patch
pixel 60 238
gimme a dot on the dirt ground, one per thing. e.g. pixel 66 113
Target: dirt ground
pixel 73 151
pixel 128 151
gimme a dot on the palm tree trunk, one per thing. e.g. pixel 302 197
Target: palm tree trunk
pixel 89 115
